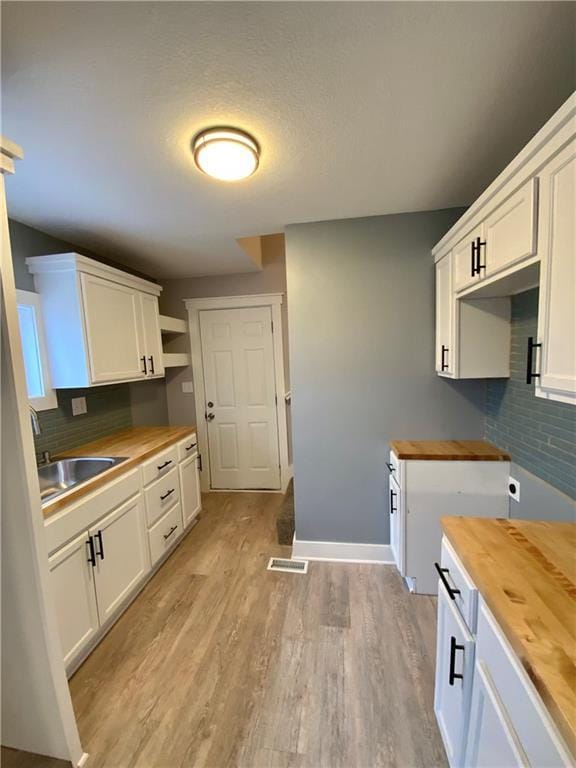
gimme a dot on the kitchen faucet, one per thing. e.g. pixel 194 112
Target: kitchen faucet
pixel 36 428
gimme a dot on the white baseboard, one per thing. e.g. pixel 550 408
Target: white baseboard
pixel 342 552
pixel 83 760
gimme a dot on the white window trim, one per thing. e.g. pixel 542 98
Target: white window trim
pixel 49 401
pixel 194 306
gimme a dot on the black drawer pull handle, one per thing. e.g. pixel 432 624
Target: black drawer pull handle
pixel 167 494
pixel 192 445
pixel 452 591
pixel 170 532
pixel 101 552
pixel 452 675
pixel 532 345
pixel 391 467
pixel 92 555
pixel 163 466
pixel 392 508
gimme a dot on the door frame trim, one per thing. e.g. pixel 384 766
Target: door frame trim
pixel 194 307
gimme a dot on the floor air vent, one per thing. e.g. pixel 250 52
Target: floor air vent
pixel 289 566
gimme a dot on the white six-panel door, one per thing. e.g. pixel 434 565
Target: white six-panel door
pixel 239 380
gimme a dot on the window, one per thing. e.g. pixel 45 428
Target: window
pixel 40 393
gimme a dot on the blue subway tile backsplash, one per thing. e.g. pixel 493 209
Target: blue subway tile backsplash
pixel 540 434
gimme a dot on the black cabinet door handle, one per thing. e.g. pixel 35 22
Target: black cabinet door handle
pixel 532 345
pixel 100 552
pixel 452 591
pixel 443 365
pixel 163 466
pixel 472 258
pixel 151 364
pixel 170 532
pixel 168 493
pixel 391 467
pixel 92 554
pixel 392 509
pixel 200 462
pixel 145 371
pixel 452 674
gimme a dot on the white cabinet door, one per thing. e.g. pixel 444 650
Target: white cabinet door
pixel 557 310
pixel 465 261
pixel 454 671
pixel 190 489
pixel 444 317
pixel 151 333
pixel 75 599
pixel 492 741
pixel 510 231
pixel 112 318
pixel 397 525
pixel 122 556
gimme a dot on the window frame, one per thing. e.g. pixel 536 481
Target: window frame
pixel 49 400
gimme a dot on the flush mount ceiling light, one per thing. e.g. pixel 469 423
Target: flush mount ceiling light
pixel 226 153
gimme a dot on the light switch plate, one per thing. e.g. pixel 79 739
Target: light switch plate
pixel 79 406
pixel 514 489
pixel 188 387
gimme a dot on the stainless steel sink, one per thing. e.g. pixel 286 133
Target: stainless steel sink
pixel 59 476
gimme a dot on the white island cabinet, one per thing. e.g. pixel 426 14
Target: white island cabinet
pixel 102 324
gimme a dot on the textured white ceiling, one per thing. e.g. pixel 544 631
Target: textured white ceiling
pixel 361 109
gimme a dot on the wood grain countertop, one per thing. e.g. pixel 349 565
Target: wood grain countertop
pixel 135 443
pixel 526 573
pixel 448 450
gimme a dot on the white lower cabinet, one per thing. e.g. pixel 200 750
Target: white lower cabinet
pixel 454 670
pixel 397 525
pixel 121 556
pixel 190 489
pixel 74 596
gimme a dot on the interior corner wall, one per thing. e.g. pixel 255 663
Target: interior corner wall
pixel 361 329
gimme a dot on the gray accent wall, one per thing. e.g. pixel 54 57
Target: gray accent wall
pixel 361 327
pixel 109 408
pixel 540 434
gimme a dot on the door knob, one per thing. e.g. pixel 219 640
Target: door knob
pixel 210 404
pixel 209 416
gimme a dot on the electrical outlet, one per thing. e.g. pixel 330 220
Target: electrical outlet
pixel 188 387
pixel 513 488
pixel 79 406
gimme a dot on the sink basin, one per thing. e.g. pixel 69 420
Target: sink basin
pixel 59 476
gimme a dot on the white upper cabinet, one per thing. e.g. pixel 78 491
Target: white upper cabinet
pixel 466 271
pixel 509 232
pixel 557 310
pixel 102 324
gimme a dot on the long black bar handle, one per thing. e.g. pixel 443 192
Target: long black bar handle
pixel 453 675
pixel 200 462
pixel 443 365
pixel 145 371
pixel 168 493
pixel 473 259
pixel 163 466
pixel 100 553
pixel 170 532
pixel 151 365
pixel 392 510
pixel 92 555
pixel 452 591
pixel 479 245
pixel 532 345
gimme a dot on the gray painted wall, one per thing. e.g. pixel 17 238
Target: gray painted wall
pixel 109 408
pixel 361 326
pixel 271 279
pixel 540 434
pixel 539 500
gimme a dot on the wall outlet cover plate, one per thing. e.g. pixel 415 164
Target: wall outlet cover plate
pixel 79 406
pixel 514 488
pixel 188 387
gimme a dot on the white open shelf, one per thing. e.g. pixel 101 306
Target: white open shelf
pixel 172 325
pixel 176 359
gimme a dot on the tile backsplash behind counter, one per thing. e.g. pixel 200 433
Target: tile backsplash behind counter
pixel 109 409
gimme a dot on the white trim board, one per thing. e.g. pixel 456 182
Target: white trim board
pixel 341 551
pixel 193 307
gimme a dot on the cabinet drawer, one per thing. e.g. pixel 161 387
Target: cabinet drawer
pixel 160 465
pixel 187 447
pixel 525 712
pixel 165 533
pixel 162 495
pixel 466 598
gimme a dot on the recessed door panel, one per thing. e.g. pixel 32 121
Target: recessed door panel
pixel 240 391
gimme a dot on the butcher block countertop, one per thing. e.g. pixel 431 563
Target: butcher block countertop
pixel 448 450
pixel 526 573
pixel 135 443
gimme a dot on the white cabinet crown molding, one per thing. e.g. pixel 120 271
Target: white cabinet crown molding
pixel 549 140
pixel 65 262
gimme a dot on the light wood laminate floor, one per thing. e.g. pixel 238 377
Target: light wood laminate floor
pixel 221 663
